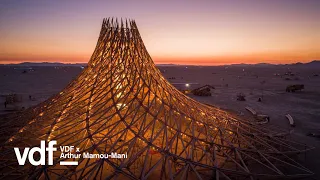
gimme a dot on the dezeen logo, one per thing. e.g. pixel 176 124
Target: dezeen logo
pixel 30 154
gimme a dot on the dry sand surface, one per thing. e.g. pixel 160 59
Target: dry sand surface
pixel 252 81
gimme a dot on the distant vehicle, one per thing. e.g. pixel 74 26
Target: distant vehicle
pixel 289 73
pixel 241 97
pixel 295 87
pixel 203 91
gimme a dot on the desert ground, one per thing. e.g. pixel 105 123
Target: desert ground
pixel 36 84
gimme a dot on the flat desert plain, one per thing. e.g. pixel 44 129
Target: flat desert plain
pixel 35 84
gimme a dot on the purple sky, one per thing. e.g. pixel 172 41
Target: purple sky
pixel 191 32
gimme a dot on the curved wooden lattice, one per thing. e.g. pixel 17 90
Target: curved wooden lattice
pixel 121 103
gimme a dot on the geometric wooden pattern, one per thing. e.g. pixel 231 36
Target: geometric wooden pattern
pixel 122 103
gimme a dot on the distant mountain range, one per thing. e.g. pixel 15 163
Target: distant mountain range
pixel 313 64
pixel 33 64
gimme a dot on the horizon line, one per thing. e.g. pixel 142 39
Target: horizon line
pixel 200 64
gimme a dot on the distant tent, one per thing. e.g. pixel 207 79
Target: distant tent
pixel 203 91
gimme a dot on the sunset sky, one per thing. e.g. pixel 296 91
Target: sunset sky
pixel 180 32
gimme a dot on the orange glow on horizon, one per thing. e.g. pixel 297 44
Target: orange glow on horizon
pixel 215 60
